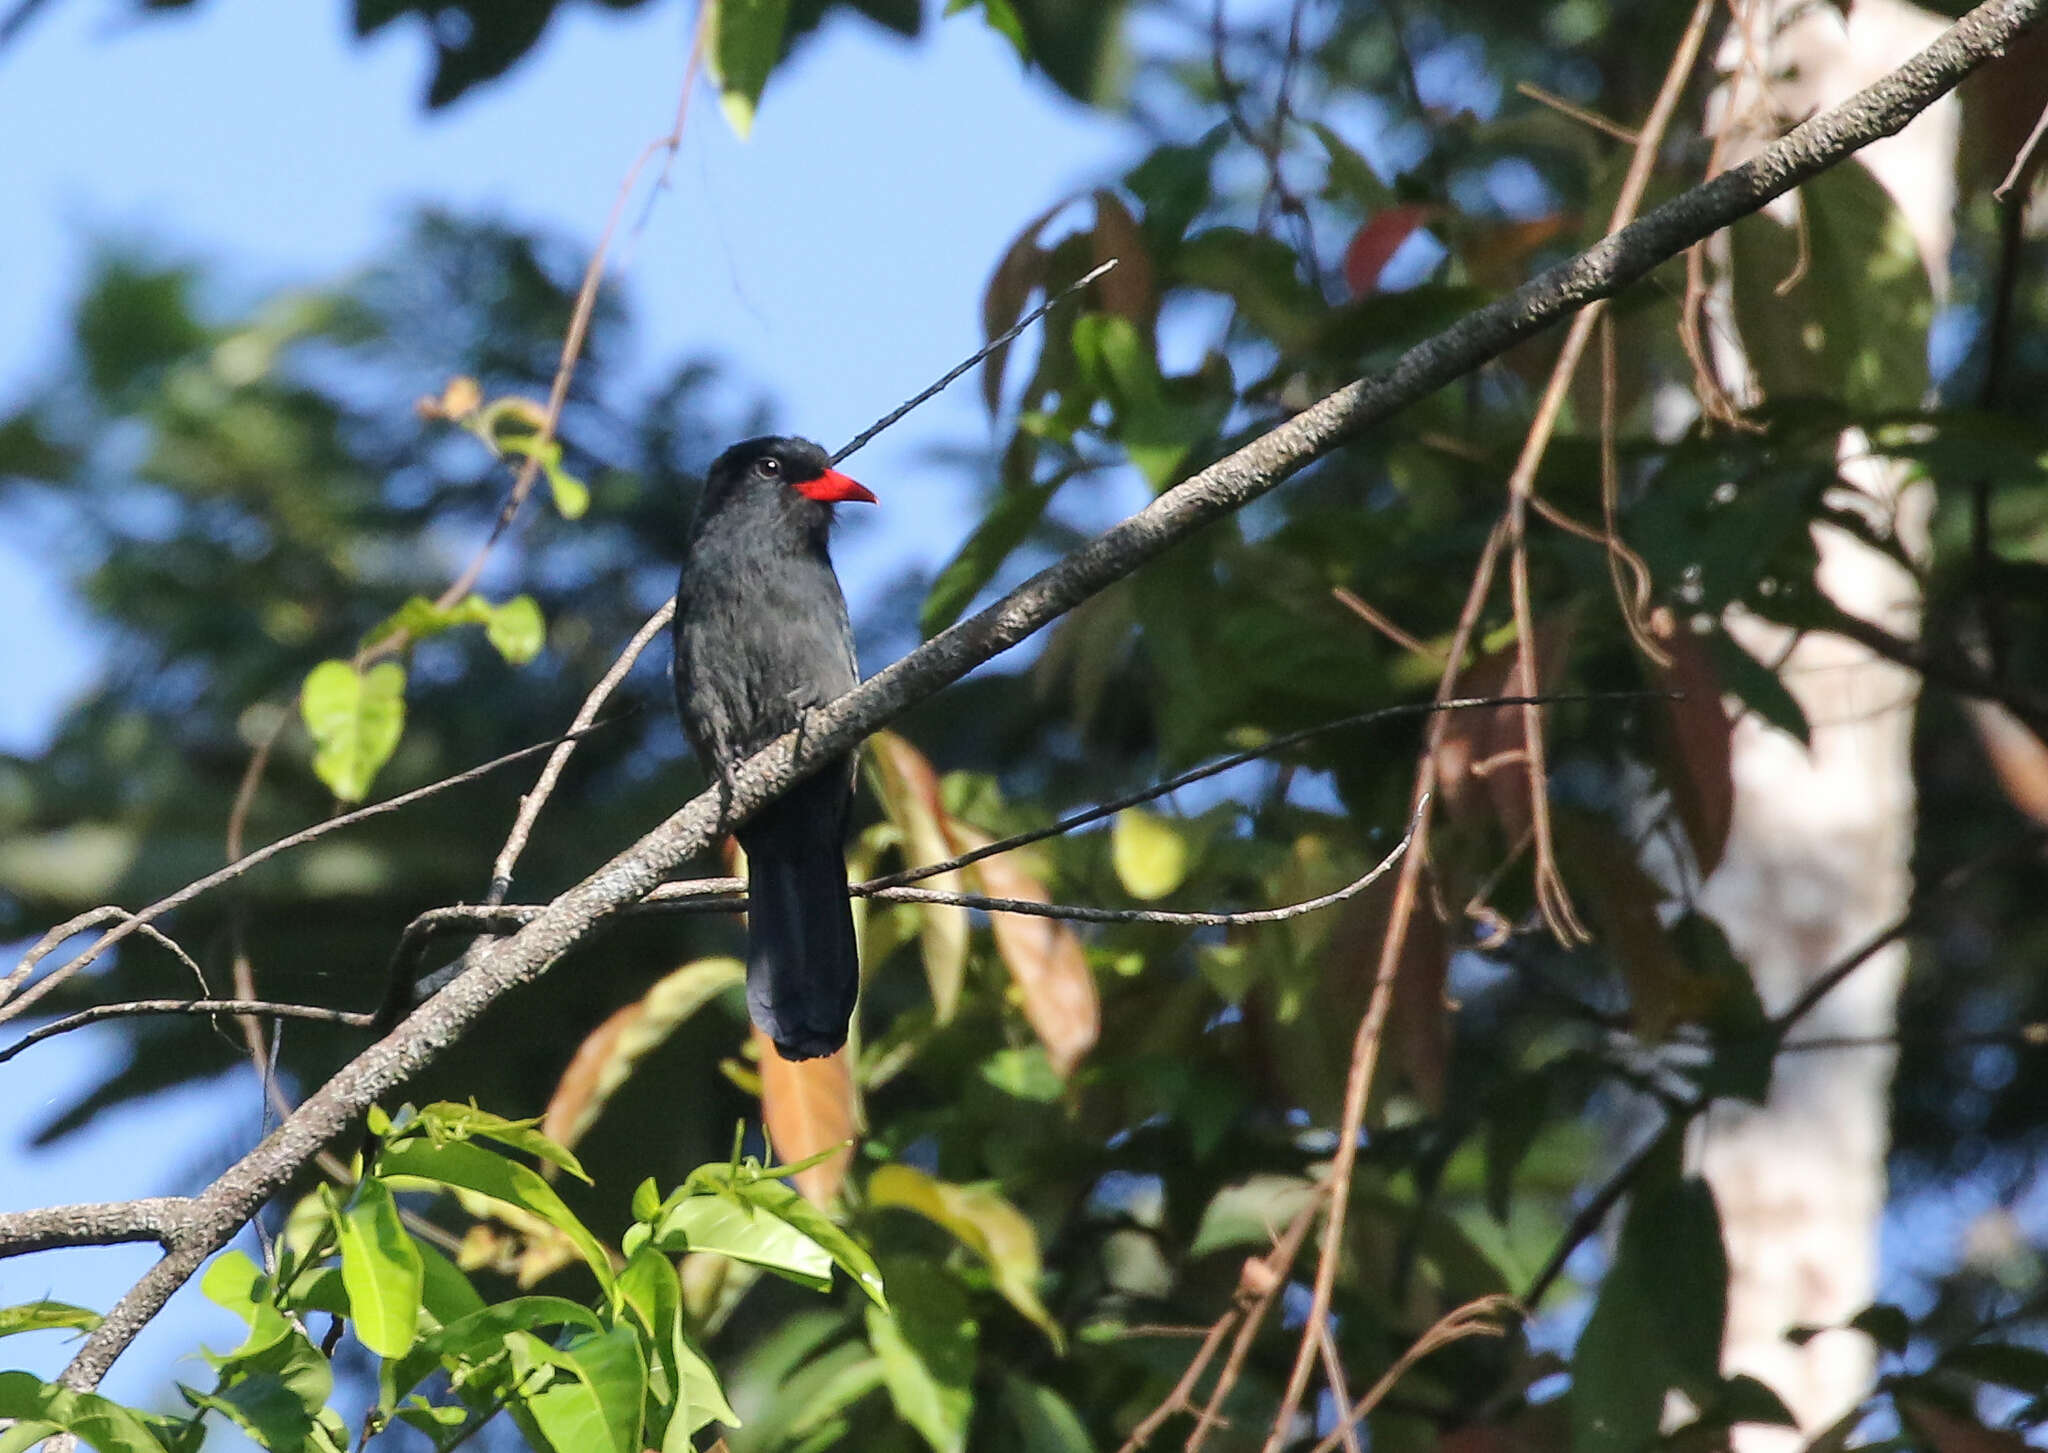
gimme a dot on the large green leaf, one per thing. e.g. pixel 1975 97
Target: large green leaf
pixel 381 1268
pixel 46 1407
pixel 1658 1322
pixel 926 1342
pixel 44 1315
pixel 595 1407
pixel 1837 307
pixel 467 1167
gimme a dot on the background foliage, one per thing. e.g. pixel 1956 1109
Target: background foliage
pixel 1070 1140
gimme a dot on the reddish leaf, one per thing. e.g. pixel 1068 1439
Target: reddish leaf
pixel 1663 990
pixel 1375 244
pixel 809 1106
pixel 910 793
pixel 2018 757
pixel 1696 733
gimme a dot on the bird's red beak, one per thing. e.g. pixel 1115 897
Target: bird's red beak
pixel 833 488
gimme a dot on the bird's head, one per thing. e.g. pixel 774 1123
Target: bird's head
pixel 775 463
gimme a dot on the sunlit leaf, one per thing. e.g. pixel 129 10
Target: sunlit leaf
pixel 381 1268
pixel 982 1221
pixel 746 38
pixel 909 789
pixel 1150 856
pixel 45 1315
pixel 356 719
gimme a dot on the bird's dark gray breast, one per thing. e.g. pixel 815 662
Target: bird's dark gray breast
pixel 760 638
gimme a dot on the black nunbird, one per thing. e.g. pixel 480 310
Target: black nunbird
pixel 761 636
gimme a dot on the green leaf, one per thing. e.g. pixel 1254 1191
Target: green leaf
pixel 277 1394
pixel 382 1270
pixel 105 1425
pixel 746 40
pixel 2008 1364
pixel 596 1409
pixel 356 719
pixel 477 1338
pixel 467 1167
pixel 571 495
pixel 1006 526
pixel 1045 1421
pixel 448 1120
pixel 783 1203
pixel 699 1386
pixel 45 1315
pixel 1245 1214
pixel 1150 856
pixel 517 629
pixel 1658 1322
pixel 926 1343
pixel 982 1221
pixel 713 1223
pixel 1839 306
pixel 444 1291
pixel 1886 1325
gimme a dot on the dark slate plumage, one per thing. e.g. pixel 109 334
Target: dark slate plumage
pixel 761 635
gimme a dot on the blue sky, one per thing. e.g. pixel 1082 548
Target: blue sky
pixel 836 259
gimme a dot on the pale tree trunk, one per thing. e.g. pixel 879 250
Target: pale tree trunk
pixel 1818 857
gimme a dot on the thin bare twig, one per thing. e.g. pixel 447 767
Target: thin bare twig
pixel 137 921
pixel 531 804
pixel 1474 1319
pixel 1605 125
pixel 1258 1288
pixel 1002 340
pixel 130 1008
pixel 1181 1397
pixel 2023 164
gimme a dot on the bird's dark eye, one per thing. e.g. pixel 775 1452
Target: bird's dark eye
pixel 768 467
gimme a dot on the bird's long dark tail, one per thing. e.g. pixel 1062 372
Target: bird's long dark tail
pixel 803 971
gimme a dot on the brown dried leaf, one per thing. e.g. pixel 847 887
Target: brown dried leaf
pixel 1418 1032
pixel 1043 955
pixel 809 1106
pixel 1017 276
pixel 1697 743
pixel 1483 761
pixel 1128 289
pixel 2017 755
pixel 1663 991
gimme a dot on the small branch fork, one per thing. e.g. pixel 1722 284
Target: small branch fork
pixel 197 1227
